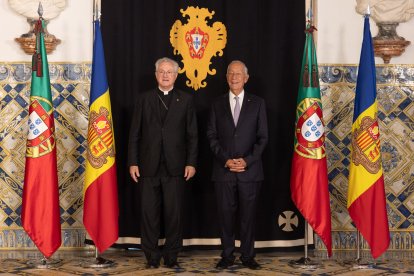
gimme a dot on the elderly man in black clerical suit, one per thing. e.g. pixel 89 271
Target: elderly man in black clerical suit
pixel 162 155
pixel 237 132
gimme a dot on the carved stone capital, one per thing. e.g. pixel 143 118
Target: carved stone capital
pixel 28 41
pixel 388 43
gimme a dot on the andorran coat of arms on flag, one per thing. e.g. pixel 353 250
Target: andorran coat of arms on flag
pixel 100 135
pixel 366 145
pixel 197 43
pixel 310 130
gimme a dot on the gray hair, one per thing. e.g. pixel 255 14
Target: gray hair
pixel 165 59
pixel 242 63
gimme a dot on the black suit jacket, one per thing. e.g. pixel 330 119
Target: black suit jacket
pixel 247 140
pixel 176 137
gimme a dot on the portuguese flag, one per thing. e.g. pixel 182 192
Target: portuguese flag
pixel 40 209
pixel 309 174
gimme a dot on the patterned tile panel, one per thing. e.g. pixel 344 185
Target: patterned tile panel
pixel 70 91
pixel 395 95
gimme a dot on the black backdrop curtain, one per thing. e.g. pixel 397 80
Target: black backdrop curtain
pixel 268 36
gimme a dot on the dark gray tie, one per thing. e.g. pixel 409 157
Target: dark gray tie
pixel 236 112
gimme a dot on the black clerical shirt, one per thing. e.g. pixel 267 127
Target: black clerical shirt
pixel 163 106
pixel 164 103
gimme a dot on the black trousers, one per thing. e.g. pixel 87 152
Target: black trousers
pixel 161 192
pixel 242 197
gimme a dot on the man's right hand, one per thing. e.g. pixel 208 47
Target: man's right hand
pixel 134 172
pixel 234 165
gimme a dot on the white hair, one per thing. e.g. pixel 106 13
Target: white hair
pixel 240 62
pixel 165 59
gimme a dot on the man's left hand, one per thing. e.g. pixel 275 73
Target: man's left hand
pixel 189 172
pixel 239 165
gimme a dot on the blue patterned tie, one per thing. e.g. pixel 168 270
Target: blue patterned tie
pixel 236 112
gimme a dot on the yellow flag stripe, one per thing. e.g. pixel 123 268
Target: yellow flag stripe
pixel 92 173
pixel 360 180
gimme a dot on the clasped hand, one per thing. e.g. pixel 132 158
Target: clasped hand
pixel 236 165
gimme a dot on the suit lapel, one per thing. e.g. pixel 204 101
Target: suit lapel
pixel 244 108
pixel 227 108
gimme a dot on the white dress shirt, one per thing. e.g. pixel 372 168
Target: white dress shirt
pixel 233 101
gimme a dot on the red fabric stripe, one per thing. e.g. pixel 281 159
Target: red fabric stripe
pixel 100 210
pixel 309 188
pixel 40 208
pixel 369 214
pixel 107 139
pixel 92 135
pixel 365 143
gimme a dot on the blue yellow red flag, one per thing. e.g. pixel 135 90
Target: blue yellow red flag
pixel 366 194
pixel 100 210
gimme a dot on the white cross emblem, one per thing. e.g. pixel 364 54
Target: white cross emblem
pixel 287 219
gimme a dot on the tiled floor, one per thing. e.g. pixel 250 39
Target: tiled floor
pixel 203 262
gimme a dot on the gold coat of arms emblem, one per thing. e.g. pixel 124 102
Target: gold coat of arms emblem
pixel 101 137
pixel 197 43
pixel 366 145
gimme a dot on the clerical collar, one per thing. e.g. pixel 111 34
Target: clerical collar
pixel 164 91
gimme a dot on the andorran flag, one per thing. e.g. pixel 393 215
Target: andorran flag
pixel 366 195
pixel 100 210
pixel 309 174
pixel 40 208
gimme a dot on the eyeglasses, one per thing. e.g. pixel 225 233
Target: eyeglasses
pixel 237 75
pixel 168 73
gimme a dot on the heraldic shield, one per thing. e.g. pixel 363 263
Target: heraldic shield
pixel 197 43
pixel 100 135
pixel 40 140
pixel 310 130
pixel 366 145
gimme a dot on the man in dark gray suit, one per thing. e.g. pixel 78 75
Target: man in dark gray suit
pixel 162 154
pixel 237 132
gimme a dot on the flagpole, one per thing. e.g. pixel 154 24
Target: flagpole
pixel 305 262
pixel 359 262
pixel 306 242
pixel 358 242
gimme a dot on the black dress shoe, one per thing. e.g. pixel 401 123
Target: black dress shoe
pixel 224 263
pixel 250 263
pixel 172 264
pixel 152 264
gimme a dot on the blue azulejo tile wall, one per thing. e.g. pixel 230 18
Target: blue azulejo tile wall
pixel 395 95
pixel 70 91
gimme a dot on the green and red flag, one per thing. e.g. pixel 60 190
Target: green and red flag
pixel 100 209
pixel 366 194
pixel 40 208
pixel 309 173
